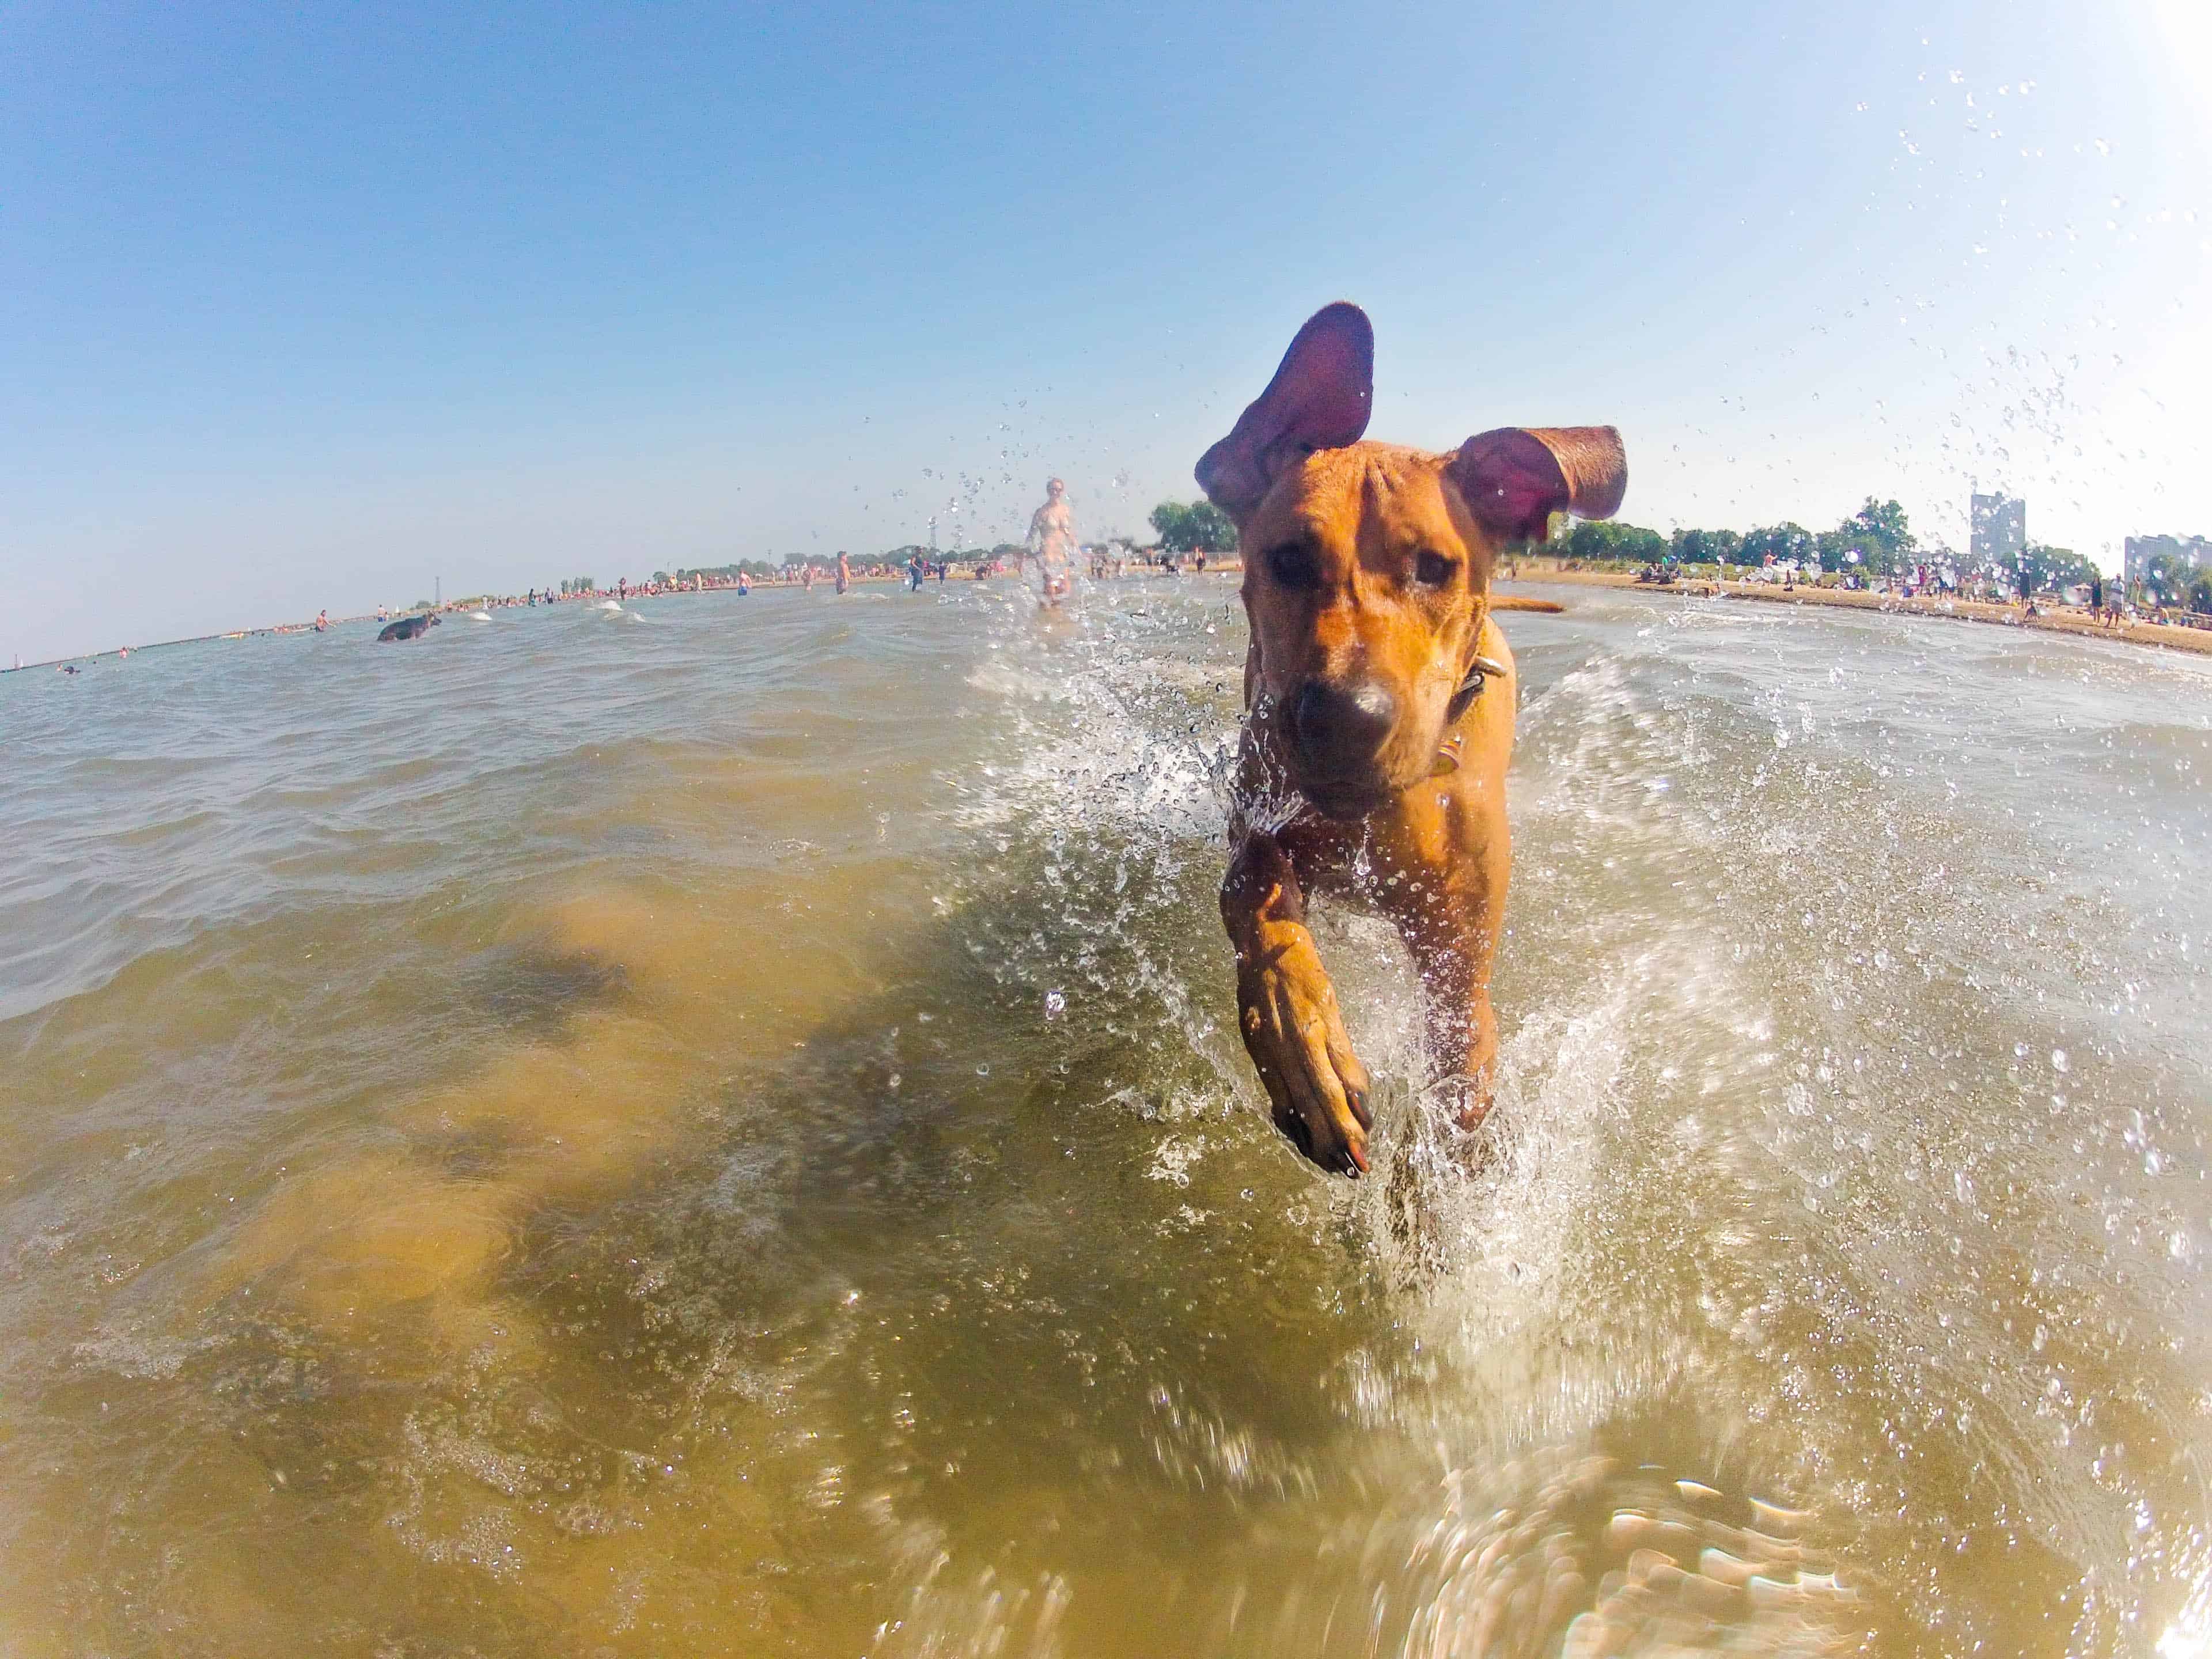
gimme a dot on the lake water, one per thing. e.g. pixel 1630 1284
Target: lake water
pixel 720 1130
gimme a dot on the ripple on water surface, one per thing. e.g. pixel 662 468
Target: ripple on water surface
pixel 726 1135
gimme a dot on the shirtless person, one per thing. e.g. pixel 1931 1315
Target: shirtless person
pixel 1052 535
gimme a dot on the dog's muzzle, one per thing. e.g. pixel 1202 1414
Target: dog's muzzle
pixel 1338 730
pixel 1337 734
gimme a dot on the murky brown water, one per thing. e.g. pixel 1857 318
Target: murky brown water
pixel 558 1140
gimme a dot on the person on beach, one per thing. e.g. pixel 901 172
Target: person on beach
pixel 844 571
pixel 1052 537
pixel 914 572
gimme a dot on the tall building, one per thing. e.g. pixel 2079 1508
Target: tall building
pixel 2140 551
pixel 2000 527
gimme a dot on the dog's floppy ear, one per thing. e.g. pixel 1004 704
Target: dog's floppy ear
pixel 1514 479
pixel 1319 398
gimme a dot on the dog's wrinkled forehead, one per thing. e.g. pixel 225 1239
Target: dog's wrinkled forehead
pixel 1364 498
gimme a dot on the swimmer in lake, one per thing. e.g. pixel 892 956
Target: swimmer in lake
pixel 844 573
pixel 1052 538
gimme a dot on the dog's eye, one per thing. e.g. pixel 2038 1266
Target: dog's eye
pixel 1432 569
pixel 1292 564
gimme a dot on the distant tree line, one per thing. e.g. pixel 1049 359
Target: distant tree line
pixel 1876 541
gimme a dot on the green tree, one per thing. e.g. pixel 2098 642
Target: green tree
pixel 1781 541
pixel 2169 577
pixel 1598 539
pixel 2050 568
pixel 1880 531
pixel 1217 531
pixel 1706 546
pixel 1188 528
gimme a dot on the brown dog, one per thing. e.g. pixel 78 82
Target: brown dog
pixel 1379 698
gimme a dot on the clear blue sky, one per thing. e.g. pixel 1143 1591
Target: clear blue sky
pixel 304 308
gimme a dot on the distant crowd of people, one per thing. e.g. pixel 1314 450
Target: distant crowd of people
pixel 2101 602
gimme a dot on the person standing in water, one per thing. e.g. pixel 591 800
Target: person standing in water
pixel 1052 538
pixel 844 571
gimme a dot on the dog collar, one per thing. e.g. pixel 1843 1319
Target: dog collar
pixel 1479 671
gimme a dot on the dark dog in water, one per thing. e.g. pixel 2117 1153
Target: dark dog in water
pixel 408 627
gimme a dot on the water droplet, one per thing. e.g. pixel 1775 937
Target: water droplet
pixel 2058 1063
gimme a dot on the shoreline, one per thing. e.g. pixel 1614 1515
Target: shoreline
pixel 2157 635
pixel 2165 635
pixel 452 607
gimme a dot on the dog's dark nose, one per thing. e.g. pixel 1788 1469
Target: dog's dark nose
pixel 1339 728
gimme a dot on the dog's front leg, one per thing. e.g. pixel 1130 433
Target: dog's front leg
pixel 1287 1010
pixel 1450 923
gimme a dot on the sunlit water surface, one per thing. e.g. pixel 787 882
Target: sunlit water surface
pixel 721 1131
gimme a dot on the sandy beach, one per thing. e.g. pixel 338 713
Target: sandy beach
pixel 2178 638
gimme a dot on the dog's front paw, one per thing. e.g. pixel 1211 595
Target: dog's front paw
pixel 1287 1010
